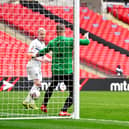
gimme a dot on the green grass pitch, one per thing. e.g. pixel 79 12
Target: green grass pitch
pixel 98 110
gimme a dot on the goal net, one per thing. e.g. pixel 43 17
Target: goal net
pixel 21 24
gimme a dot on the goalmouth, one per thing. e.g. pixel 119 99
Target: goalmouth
pixel 14 85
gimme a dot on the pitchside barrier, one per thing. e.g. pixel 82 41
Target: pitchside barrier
pixel 106 84
pixel 92 84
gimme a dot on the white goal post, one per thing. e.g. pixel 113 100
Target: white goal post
pixel 19 25
pixel 76 59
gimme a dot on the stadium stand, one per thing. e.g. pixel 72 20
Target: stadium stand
pixel 84 74
pixel 101 27
pixel 103 57
pixel 119 11
pixel 29 21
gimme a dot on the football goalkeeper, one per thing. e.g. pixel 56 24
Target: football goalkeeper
pixel 61 48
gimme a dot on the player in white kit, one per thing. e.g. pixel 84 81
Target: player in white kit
pixel 34 67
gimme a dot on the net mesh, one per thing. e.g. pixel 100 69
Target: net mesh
pixel 19 23
pixel 106 56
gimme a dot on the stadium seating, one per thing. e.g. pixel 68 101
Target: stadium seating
pixel 85 74
pixel 103 57
pixel 28 22
pixel 119 11
pixel 104 28
pixel 96 24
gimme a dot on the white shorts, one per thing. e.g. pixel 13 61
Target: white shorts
pixel 34 73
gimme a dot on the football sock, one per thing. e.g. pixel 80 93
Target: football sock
pixel 29 99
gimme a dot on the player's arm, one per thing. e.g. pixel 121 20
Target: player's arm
pixel 84 41
pixel 45 50
pixel 39 59
pixel 42 52
pixel 44 59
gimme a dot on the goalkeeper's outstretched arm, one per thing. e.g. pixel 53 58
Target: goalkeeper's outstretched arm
pixel 42 52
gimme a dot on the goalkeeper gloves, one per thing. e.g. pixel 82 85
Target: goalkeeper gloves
pixel 86 35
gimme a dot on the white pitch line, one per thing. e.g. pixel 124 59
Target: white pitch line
pixel 17 114
pixel 106 121
pixel 40 116
pixel 29 116
pixel 100 104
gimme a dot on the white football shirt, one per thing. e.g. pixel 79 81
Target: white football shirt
pixel 34 47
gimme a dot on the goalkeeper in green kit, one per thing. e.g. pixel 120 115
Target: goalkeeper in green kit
pixel 61 48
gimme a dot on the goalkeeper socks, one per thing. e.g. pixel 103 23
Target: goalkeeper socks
pixel 68 103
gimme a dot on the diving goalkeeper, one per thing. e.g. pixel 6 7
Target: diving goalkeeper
pixel 61 48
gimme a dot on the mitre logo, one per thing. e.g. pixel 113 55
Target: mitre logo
pixel 116 86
